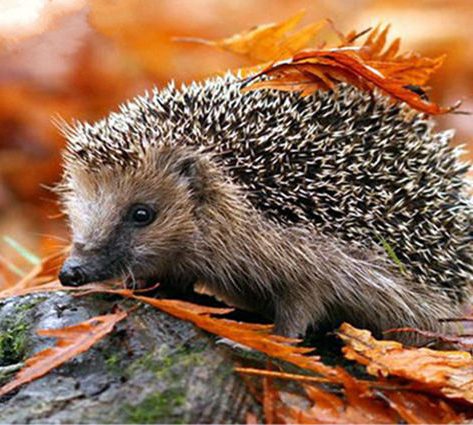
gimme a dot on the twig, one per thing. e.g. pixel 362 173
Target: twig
pixel 7 370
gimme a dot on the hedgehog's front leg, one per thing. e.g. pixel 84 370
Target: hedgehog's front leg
pixel 291 317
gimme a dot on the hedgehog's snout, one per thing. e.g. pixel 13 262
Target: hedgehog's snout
pixel 93 265
pixel 73 273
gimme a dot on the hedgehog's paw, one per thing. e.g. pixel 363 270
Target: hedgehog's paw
pixel 291 320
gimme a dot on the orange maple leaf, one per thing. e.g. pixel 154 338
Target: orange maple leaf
pixel 408 68
pixel 72 341
pixel 311 70
pixel 268 41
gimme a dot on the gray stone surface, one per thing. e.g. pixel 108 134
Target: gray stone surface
pixel 151 369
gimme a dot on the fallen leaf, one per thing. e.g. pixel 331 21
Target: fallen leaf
pixel 312 70
pixel 416 408
pixel 360 404
pixel 408 68
pixel 72 341
pixel 414 71
pixel 374 64
pixel 267 42
pixel 442 372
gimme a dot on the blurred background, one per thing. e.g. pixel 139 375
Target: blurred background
pixel 80 58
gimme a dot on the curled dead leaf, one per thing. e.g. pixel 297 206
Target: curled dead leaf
pixel 312 70
pixel 442 372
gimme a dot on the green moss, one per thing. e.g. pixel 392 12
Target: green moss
pixel 14 330
pixel 13 342
pixel 146 362
pixel 113 363
pixel 168 365
pixel 157 407
pixel 183 357
pixel 163 361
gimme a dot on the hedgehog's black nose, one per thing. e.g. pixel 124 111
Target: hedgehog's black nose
pixel 72 274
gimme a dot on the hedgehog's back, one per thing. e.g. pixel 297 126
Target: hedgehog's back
pixel 349 164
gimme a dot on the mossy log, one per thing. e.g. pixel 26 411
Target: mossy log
pixel 152 369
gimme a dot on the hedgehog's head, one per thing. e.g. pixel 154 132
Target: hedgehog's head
pixel 132 208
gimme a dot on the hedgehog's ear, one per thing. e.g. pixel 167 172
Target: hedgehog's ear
pixel 190 170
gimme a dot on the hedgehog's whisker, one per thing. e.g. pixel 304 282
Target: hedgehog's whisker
pixel 51 236
pixel 123 274
pixel 132 277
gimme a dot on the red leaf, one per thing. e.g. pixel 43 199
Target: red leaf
pixel 317 69
pixel 72 341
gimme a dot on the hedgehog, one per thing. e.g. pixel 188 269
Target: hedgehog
pixel 309 210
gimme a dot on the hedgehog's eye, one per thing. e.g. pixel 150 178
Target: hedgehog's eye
pixel 141 215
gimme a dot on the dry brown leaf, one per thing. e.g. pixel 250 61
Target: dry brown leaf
pixel 268 42
pixel 360 404
pixel 374 64
pixel 407 68
pixel 72 341
pixel 414 71
pixel 449 373
pixel 412 407
pixel 322 69
pixel 375 46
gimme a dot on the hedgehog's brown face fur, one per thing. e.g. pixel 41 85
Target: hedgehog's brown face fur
pixel 138 225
